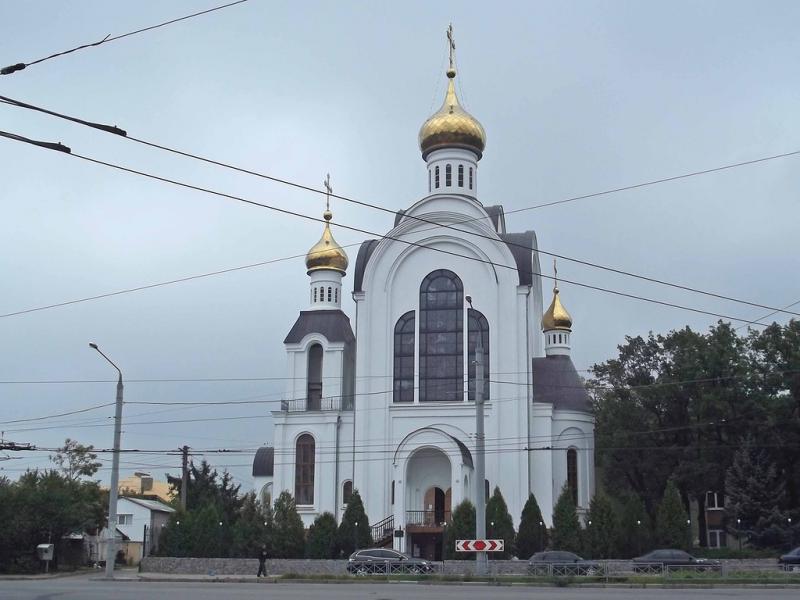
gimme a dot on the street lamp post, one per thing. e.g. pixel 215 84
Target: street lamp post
pixel 114 491
pixel 481 559
pixel 739 533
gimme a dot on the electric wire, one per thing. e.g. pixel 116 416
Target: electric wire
pixel 122 133
pixel 396 239
pixel 109 38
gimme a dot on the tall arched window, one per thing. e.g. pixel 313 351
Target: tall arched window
pixel 436 177
pixel 429 180
pixel 304 471
pixel 572 473
pixel 441 338
pixel 448 175
pixel 470 178
pixel 478 325
pixel 314 391
pixel 404 358
pixel 460 175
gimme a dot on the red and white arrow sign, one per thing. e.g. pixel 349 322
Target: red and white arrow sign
pixel 479 545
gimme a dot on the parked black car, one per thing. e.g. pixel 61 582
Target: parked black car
pixel 556 562
pixel 672 558
pixel 383 561
pixel 791 559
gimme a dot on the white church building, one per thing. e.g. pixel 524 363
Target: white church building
pixel 383 400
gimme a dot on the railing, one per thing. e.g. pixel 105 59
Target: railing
pixel 316 404
pixel 427 518
pixel 383 529
pixel 394 568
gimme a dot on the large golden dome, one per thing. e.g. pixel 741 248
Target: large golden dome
pixel 451 126
pixel 326 253
pixel 556 317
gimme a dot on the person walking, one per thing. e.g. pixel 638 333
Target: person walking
pixel 262 559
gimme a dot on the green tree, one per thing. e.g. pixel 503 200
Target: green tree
pixel 75 460
pixel 461 527
pixel 566 526
pixel 754 495
pixel 290 536
pixel 672 528
pixel 635 530
pixel 206 486
pixel 499 524
pixel 322 535
pixel 602 530
pixel 532 535
pixel 41 506
pixel 354 528
pixel 253 529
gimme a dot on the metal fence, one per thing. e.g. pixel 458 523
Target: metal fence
pixel 609 569
pixel 394 568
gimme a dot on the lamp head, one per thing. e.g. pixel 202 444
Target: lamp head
pixel 469 300
pixel 93 345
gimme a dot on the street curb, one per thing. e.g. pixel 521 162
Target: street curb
pixel 43 577
pixel 280 580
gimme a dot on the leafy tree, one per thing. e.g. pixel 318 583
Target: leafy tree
pixel 206 486
pixel 499 524
pixel 566 527
pixel 349 533
pixel 634 527
pixel 321 541
pixel 253 529
pixel 754 493
pixel 461 527
pixel 532 535
pixel 41 506
pixel 602 530
pixel 290 535
pixel 75 460
pixel 672 528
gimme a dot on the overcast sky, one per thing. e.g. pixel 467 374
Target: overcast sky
pixel 575 97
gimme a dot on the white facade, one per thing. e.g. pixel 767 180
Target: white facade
pixel 394 417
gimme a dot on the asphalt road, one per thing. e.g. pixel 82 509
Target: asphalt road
pixel 83 588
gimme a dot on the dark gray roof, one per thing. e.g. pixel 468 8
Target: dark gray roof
pixel 333 324
pixel 556 382
pixel 522 247
pixel 264 462
pixel 364 253
pixel 495 214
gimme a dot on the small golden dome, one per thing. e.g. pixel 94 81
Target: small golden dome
pixel 556 317
pixel 326 253
pixel 451 126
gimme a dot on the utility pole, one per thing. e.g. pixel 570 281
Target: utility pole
pixel 184 476
pixel 481 559
pixel 114 491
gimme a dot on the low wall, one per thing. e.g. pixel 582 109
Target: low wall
pixel 249 566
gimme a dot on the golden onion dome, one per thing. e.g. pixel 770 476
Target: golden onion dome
pixel 556 317
pixel 326 253
pixel 451 126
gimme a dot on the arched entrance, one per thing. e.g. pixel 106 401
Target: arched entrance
pixel 428 484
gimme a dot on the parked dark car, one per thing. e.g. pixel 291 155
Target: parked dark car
pixel 791 560
pixel 556 562
pixel 383 561
pixel 672 558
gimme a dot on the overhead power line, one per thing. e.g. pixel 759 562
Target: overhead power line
pixel 400 240
pixel 117 131
pixel 109 38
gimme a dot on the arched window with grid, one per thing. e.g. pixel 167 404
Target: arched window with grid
pixel 404 358
pixel 304 464
pixel 441 338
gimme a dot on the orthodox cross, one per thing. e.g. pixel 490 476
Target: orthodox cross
pixel 452 43
pixel 328 191
pixel 555 274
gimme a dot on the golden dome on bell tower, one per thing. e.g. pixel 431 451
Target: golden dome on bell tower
pixel 327 253
pixel 451 126
pixel 556 317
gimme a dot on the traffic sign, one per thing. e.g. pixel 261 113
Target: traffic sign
pixel 480 545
